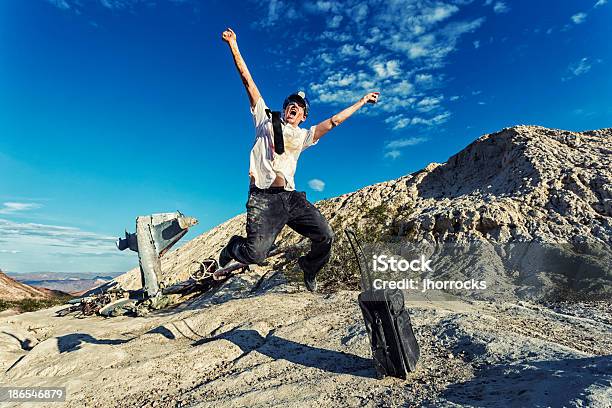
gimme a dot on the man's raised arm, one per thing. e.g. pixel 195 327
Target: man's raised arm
pixel 230 38
pixel 328 124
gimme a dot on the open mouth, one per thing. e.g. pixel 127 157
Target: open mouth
pixel 292 113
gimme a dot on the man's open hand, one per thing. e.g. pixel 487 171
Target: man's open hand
pixel 372 97
pixel 229 36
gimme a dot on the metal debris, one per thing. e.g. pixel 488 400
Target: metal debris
pixel 155 235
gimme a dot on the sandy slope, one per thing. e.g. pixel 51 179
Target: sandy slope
pixel 268 343
pixel 10 289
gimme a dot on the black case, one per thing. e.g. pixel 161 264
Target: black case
pixel 394 347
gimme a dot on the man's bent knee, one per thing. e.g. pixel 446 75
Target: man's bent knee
pixel 327 234
pixel 257 252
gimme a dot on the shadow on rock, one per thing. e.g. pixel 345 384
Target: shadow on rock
pixel 24 344
pixel 72 342
pixel 553 383
pixel 163 331
pixel 308 356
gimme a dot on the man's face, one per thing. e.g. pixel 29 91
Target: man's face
pixel 294 113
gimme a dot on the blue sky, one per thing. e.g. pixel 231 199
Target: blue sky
pixel 114 108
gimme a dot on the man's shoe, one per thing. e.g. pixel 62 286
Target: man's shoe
pixel 310 279
pixel 225 257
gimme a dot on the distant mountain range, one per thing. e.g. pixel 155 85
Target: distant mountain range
pixel 74 283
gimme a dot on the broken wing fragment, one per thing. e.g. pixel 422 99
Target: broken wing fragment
pixel 155 235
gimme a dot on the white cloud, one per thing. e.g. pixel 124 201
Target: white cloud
pixel 396 103
pixel 420 121
pixel 278 10
pixel 422 47
pixel 399 143
pixel 346 80
pixel 359 12
pixel 320 6
pixel 500 7
pixel 12 207
pixel 327 58
pixel 393 118
pixel 354 50
pixel 334 36
pixel 316 184
pixel 454 30
pixel 374 35
pixel 55 236
pixel 454 98
pixel 39 247
pixel 441 118
pixel 367 85
pixel 579 18
pixel 440 12
pixel 394 154
pixel 583 112
pixel 115 4
pixel 393 147
pixel 62 4
pixel 423 78
pixel 436 120
pixel 404 88
pixel 273 11
pixel 333 88
pixel 334 22
pixel 476 44
pixel 579 68
pixel 338 96
pixel 429 103
pixel 433 47
pixel 386 69
pixel 398 122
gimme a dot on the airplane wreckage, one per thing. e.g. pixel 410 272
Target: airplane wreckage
pixel 155 235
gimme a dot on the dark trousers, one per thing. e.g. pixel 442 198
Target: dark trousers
pixel 268 210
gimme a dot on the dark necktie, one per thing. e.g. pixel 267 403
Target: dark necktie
pixel 279 142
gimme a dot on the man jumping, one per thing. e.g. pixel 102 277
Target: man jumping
pixel 273 201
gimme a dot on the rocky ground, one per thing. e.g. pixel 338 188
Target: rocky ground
pixel 269 343
pixel 261 340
